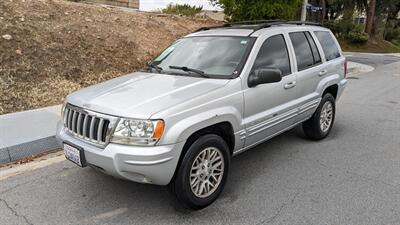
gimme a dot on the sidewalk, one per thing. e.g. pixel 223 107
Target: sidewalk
pixel 25 133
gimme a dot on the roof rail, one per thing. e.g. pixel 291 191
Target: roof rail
pixel 254 22
pixel 212 27
pixel 240 23
pixel 258 24
pixel 304 23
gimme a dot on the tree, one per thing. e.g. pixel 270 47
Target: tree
pixel 392 27
pixel 239 10
pixel 370 17
pixel 348 6
pixel 333 9
pixel 385 13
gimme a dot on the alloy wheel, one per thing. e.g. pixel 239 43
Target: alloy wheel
pixel 206 172
pixel 326 116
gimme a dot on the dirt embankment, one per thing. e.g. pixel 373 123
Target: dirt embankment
pixel 49 48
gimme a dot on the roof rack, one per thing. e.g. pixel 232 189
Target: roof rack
pixel 239 24
pixel 254 22
pixel 304 23
pixel 257 24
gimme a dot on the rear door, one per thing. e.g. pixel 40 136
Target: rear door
pixel 310 69
pixel 334 59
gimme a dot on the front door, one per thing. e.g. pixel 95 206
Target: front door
pixel 270 108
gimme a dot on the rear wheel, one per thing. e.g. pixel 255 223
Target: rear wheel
pixel 320 124
pixel 203 172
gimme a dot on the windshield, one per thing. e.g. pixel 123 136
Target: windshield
pixel 218 56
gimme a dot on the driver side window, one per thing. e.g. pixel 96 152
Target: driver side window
pixel 274 53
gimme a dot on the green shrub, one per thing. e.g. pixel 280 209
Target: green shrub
pixel 182 10
pixel 396 42
pixel 348 31
pixel 342 28
pixel 357 37
pixel 334 27
pixel 392 34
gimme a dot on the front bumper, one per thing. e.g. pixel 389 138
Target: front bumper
pixel 143 164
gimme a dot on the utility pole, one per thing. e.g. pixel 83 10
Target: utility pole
pixel 304 11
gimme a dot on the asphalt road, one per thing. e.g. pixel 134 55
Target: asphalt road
pixel 373 60
pixel 352 177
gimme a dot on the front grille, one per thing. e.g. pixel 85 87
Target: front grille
pixel 89 126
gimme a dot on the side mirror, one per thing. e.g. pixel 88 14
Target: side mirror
pixel 264 76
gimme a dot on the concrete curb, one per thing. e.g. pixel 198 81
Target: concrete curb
pixel 367 53
pixel 26 133
pixel 23 150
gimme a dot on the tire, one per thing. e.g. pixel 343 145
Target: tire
pixel 181 186
pixel 317 127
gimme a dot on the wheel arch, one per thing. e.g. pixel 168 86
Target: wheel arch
pixel 329 85
pixel 223 129
pixel 332 89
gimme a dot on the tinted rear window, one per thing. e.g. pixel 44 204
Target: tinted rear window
pixel 329 46
pixel 304 55
pixel 317 57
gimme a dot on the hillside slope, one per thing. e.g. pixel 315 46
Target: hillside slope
pixel 49 48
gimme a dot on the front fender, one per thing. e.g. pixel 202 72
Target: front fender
pixel 181 130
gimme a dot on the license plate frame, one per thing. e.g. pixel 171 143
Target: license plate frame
pixel 74 154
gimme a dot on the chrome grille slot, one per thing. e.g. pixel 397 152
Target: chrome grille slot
pixel 88 126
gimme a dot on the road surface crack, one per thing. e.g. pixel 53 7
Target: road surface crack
pixel 279 211
pixel 15 212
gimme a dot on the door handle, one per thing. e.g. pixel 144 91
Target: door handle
pixel 290 85
pixel 323 72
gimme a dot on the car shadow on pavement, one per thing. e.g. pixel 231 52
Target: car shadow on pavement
pixel 244 167
pixel 260 180
pixel 99 198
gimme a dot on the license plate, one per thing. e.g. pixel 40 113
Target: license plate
pixel 74 154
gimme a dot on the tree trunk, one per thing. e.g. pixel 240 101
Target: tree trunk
pixel 370 17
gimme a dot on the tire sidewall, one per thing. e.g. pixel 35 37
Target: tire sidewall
pixel 182 183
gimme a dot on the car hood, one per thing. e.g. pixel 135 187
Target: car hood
pixel 140 95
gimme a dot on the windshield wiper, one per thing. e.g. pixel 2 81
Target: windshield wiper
pixel 188 69
pixel 154 66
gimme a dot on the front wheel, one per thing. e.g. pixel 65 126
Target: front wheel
pixel 321 122
pixel 203 172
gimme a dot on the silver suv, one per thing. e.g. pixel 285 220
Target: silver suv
pixel 209 96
